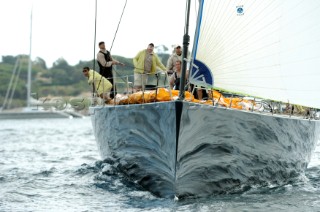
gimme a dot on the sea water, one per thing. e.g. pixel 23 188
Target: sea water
pixel 54 165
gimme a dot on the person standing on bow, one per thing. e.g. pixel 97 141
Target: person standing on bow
pixel 177 55
pixel 145 63
pixel 105 62
pixel 101 85
pixel 175 77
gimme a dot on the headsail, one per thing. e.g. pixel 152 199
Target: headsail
pixel 269 49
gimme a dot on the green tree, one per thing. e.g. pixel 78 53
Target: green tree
pixel 60 80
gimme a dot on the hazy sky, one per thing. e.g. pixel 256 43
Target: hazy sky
pixel 65 28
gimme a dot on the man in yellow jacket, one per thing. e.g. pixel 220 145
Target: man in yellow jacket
pixel 102 85
pixel 145 63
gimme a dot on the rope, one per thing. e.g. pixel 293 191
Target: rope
pixel 15 84
pixel 94 44
pixel 129 67
pixel 10 83
pixel 118 25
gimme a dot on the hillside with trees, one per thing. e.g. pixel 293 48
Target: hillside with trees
pixel 61 80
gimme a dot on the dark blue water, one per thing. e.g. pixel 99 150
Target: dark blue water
pixel 54 165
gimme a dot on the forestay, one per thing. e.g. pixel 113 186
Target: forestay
pixel 269 49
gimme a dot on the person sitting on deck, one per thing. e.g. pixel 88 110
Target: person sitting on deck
pixel 101 85
pixel 175 77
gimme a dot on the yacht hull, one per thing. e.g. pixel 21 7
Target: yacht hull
pixel 186 149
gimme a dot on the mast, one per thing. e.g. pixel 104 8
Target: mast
pixel 29 66
pixel 186 39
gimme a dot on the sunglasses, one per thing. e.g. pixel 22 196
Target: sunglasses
pixel 84 70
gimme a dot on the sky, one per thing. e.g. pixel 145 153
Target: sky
pixel 66 28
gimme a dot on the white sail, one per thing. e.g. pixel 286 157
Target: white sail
pixel 268 49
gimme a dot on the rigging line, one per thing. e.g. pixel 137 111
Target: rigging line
pixel 94 46
pixel 129 66
pixel 10 83
pixel 196 8
pixel 15 84
pixel 118 25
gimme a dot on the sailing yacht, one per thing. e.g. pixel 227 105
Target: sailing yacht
pixel 32 109
pixel 268 50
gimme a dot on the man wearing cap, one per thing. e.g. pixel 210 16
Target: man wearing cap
pixel 105 62
pixel 145 64
pixel 176 56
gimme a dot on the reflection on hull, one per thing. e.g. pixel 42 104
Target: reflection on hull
pixel 185 149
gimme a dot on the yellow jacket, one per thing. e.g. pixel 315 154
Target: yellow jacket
pixel 138 62
pixel 101 84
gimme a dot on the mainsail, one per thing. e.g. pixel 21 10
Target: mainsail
pixel 268 49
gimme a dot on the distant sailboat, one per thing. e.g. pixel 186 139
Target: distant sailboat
pixel 265 49
pixel 28 112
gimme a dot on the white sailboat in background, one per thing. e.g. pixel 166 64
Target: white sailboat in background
pixel 33 109
pixel 265 49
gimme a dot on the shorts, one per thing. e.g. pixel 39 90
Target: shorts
pixel 140 80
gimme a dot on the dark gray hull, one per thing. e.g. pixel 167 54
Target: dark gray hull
pixel 186 149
